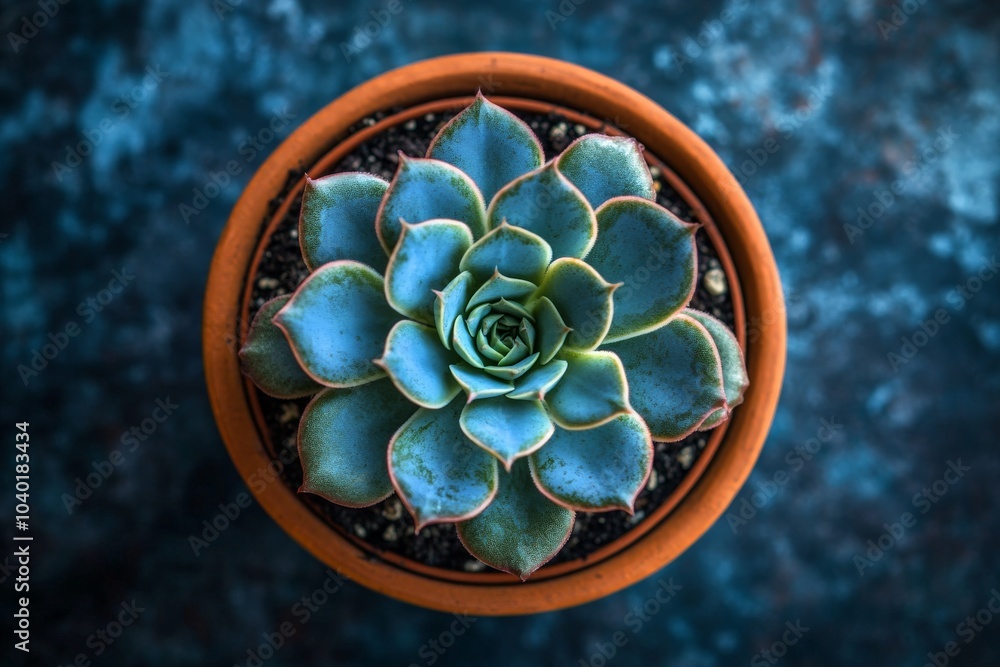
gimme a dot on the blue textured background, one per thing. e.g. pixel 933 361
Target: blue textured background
pixel 849 107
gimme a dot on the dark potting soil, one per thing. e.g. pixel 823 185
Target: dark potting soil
pixel 387 526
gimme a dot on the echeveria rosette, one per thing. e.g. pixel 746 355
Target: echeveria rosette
pixel 496 339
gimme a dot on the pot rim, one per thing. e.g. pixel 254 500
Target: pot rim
pixel 556 83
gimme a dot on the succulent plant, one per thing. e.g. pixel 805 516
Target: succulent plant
pixel 496 339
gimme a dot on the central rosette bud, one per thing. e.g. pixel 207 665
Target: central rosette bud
pixel 505 335
pixel 505 332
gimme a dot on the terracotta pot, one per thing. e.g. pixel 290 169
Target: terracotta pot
pixel 532 84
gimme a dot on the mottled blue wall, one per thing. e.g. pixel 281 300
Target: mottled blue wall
pixel 850 105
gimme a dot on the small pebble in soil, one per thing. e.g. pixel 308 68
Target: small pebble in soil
pixel 473 566
pixel 654 480
pixel 389 534
pixel 289 412
pixel 686 457
pixel 268 283
pixel 393 509
pixel 715 282
pixel 557 135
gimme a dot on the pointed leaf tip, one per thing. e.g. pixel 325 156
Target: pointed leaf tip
pixel 438 473
pixel 654 252
pixel 507 429
pixel 512 251
pixel 674 376
pixel 604 167
pixel 267 359
pixel 424 190
pixel 351 295
pixel 449 304
pixel 546 203
pixel 734 369
pixel 337 220
pixel 418 365
pixel 521 530
pixel 490 144
pixel 592 391
pixel 599 469
pixel 582 298
pixel 342 442
pixel 426 258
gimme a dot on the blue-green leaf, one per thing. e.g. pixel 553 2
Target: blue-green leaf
pixel 464 344
pixel 428 190
pixel 514 370
pixel 337 322
pixel 534 385
pixel 507 429
pixel 546 203
pixel 425 260
pixel 475 317
pixel 551 330
pixel 714 419
pixel 267 359
pixel 598 469
pixel 485 348
pixel 734 370
pixel 343 442
pixel 604 167
pixel 514 252
pixel 526 332
pixel 592 391
pixel 337 220
pixel 488 143
pixel 418 365
pixel 439 474
pixel 643 245
pixel 583 298
pixel 500 287
pixel 512 308
pixel 449 305
pixel 521 530
pixel 477 384
pixel 674 376
pixel 518 351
